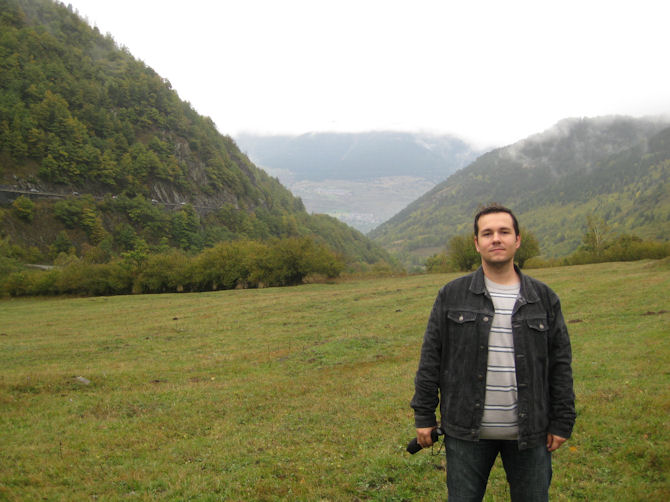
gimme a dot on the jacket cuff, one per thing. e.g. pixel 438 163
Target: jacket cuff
pixel 562 431
pixel 423 421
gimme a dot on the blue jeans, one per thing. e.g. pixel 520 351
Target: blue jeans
pixel 469 465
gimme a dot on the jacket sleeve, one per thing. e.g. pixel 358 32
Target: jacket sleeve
pixel 561 393
pixel 427 380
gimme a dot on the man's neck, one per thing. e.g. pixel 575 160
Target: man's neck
pixel 504 274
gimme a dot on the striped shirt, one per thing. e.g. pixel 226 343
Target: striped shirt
pixel 500 408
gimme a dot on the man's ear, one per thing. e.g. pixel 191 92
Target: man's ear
pixel 476 244
pixel 518 241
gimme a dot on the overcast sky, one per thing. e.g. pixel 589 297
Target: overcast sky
pixel 492 72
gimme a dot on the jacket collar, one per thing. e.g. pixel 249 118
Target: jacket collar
pixel 527 293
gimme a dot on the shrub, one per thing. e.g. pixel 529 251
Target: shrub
pixel 45 283
pixel 79 278
pixel 229 265
pixel 382 268
pixel 288 261
pixel 95 254
pixel 622 248
pixel 226 265
pixel 631 248
pixel 438 264
pixel 163 273
pixel 17 284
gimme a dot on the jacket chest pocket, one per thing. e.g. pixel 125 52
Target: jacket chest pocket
pixel 462 318
pixel 538 326
pixel 462 323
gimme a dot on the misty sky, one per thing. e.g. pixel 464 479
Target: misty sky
pixel 492 72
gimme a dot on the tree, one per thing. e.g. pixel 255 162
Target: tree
pixel 185 225
pixel 462 252
pixel 124 237
pixel 92 225
pixel 62 244
pixel 595 238
pixel 529 248
pixel 23 207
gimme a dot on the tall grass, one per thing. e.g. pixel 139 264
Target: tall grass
pixel 302 393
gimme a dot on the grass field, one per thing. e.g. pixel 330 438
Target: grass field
pixel 302 393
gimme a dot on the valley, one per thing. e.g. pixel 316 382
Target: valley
pixel 361 204
pixel 362 179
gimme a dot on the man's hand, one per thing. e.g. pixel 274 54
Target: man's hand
pixel 554 442
pixel 423 436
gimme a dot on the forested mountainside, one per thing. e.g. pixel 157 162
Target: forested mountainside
pixel 115 154
pixel 615 168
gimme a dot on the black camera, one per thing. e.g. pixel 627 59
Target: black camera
pixel 414 445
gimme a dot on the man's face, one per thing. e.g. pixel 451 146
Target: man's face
pixel 496 241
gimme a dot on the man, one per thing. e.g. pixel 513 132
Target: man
pixel 496 356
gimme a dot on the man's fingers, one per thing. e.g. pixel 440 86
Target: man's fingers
pixel 425 441
pixel 554 442
pixel 423 436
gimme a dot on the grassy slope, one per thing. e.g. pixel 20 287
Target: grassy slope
pixel 302 393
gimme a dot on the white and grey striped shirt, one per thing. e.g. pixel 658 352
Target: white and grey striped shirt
pixel 500 419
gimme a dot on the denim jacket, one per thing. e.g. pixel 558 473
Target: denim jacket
pixel 454 355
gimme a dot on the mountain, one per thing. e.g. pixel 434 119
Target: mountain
pixel 613 167
pixel 361 178
pixel 95 138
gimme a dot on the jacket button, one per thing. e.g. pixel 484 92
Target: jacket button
pixel 486 319
pixel 460 318
pixel 541 326
pixel 480 377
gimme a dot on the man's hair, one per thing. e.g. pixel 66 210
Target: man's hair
pixel 495 208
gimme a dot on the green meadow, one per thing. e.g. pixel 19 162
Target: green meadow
pixel 302 393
